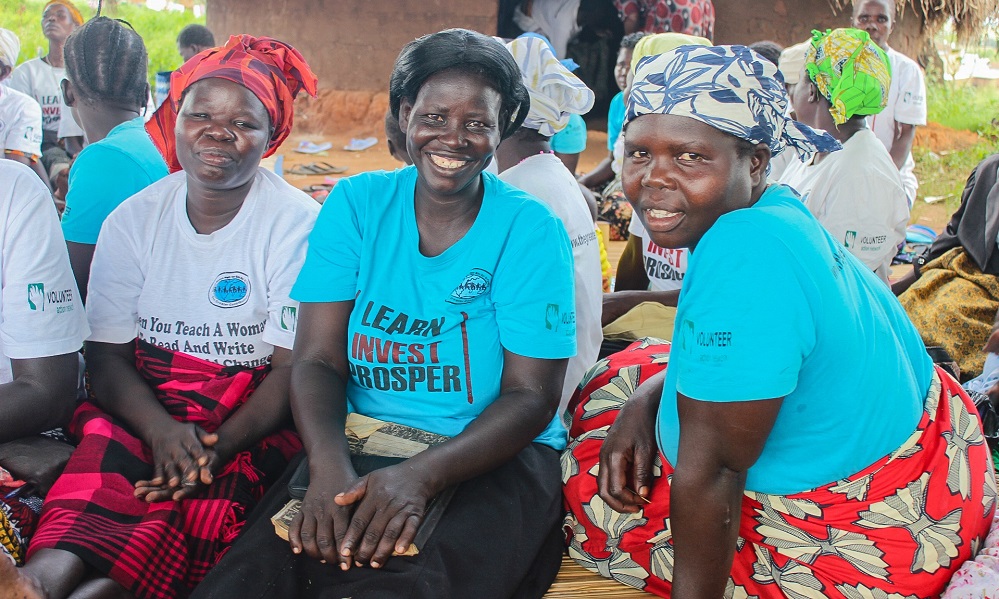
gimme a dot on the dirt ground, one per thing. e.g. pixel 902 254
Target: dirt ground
pixel 338 119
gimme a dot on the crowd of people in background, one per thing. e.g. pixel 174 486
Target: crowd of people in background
pixel 745 410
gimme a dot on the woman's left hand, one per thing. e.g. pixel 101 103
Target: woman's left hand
pixel 159 489
pixel 391 503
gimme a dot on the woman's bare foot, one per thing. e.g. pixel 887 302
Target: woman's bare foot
pixel 14 584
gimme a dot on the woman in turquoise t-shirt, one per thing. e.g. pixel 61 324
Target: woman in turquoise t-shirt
pixel 439 298
pixel 807 447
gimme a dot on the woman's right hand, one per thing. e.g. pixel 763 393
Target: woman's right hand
pixel 321 524
pixel 628 454
pixel 180 458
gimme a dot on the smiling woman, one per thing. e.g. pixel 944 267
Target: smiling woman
pixel 459 287
pixel 192 329
pixel 799 417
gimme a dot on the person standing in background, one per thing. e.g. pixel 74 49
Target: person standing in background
pixel 896 125
pixel 40 77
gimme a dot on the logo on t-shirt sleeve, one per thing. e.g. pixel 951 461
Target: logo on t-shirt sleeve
pixel 230 289
pixel 36 296
pixel 475 284
pixel 289 318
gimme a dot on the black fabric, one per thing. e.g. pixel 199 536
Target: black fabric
pixel 500 538
pixel 976 223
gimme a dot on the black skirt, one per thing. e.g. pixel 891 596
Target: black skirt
pixel 500 537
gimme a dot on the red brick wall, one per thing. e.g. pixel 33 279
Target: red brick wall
pixel 350 44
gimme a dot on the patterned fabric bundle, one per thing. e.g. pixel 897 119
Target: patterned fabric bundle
pixel 898 529
pixel 953 305
pixel 18 517
pixel 10 48
pixel 730 88
pixel 850 70
pixel 274 71
pixel 555 92
pixel 73 11
pixel 163 549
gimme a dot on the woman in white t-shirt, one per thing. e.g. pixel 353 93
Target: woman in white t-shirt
pixel 856 193
pixel 192 330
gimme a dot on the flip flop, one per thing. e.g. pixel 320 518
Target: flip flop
pixel 317 168
pixel 307 147
pixel 358 145
pixel 317 187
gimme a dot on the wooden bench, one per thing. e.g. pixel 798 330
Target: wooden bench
pixel 574 581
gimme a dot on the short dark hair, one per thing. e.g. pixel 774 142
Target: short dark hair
pixel 629 41
pixel 768 49
pixel 466 51
pixel 196 35
pixel 393 132
pixel 106 61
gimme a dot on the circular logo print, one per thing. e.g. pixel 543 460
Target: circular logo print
pixel 230 289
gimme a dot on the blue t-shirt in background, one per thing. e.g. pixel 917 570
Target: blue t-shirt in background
pixel 427 334
pixel 773 306
pixel 105 174
pixel 572 139
pixel 615 119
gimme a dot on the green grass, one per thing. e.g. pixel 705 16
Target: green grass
pixel 958 106
pixel 158 29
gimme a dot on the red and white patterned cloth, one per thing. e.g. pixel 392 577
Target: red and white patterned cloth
pixel 693 17
pixel 898 529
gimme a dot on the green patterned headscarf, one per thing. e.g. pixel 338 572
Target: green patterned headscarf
pixel 850 70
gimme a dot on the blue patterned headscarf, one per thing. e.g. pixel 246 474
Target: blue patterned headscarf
pixel 731 88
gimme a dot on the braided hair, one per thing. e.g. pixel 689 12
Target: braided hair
pixel 106 62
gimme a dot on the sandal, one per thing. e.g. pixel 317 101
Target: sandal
pixel 318 187
pixel 316 168
pixel 307 147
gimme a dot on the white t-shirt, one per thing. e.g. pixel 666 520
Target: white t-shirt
pixel 546 178
pixel 41 81
pixel 856 193
pixel 68 127
pixel 906 105
pixel 20 123
pixel 664 267
pixel 40 310
pixel 221 297
pixel 554 19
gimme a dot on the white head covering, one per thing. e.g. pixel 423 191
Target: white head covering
pixel 555 92
pixel 730 88
pixel 10 47
pixel 792 59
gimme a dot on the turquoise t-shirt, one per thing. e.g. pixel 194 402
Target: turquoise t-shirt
pixel 615 119
pixel 427 334
pixel 572 139
pixel 105 174
pixel 773 306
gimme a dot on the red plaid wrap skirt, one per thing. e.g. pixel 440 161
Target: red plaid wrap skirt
pixel 158 550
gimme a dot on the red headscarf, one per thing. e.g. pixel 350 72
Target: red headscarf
pixel 274 71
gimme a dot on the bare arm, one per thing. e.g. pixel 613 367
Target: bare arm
pixel 600 175
pixel 73 145
pixel 902 143
pixel 40 397
pixel 718 444
pixel 631 286
pixel 33 165
pixel 80 257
